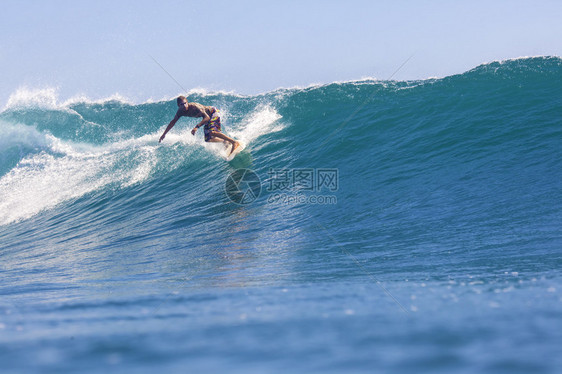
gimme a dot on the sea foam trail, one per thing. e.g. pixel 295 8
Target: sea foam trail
pixel 50 171
pixel 44 180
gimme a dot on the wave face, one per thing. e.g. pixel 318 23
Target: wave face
pixel 440 183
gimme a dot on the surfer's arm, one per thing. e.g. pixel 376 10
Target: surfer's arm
pixel 170 125
pixel 205 119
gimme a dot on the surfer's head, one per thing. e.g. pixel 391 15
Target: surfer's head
pixel 182 102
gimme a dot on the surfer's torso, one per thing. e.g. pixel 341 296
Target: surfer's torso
pixel 195 110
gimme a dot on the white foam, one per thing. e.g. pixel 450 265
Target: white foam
pixel 61 170
pixel 506 60
pixel 262 121
pixel 66 170
pixel 48 98
pixel 201 91
pixel 83 99
pixel 25 97
pixel 42 181
pixel 11 134
pixel 144 169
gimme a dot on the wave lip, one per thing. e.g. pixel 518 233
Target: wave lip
pixel 48 98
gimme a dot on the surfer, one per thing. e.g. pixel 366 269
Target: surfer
pixel 211 120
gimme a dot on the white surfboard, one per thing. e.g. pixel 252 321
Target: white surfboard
pixel 231 156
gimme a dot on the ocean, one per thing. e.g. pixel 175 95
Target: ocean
pixel 369 226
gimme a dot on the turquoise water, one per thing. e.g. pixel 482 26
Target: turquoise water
pixel 435 248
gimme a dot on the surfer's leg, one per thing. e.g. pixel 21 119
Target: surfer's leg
pixel 220 135
pixel 217 140
pixel 213 131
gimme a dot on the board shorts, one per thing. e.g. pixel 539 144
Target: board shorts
pixel 214 124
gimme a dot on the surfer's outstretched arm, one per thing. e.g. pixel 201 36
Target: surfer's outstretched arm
pixel 170 125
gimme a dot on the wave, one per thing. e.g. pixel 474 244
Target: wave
pixel 501 117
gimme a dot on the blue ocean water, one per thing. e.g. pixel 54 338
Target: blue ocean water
pixel 408 227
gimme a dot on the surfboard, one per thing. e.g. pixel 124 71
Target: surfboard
pixel 236 151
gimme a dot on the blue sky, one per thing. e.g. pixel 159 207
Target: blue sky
pixel 100 48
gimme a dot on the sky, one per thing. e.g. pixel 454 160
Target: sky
pixel 97 49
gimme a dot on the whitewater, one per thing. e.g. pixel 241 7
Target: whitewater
pixel 403 226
